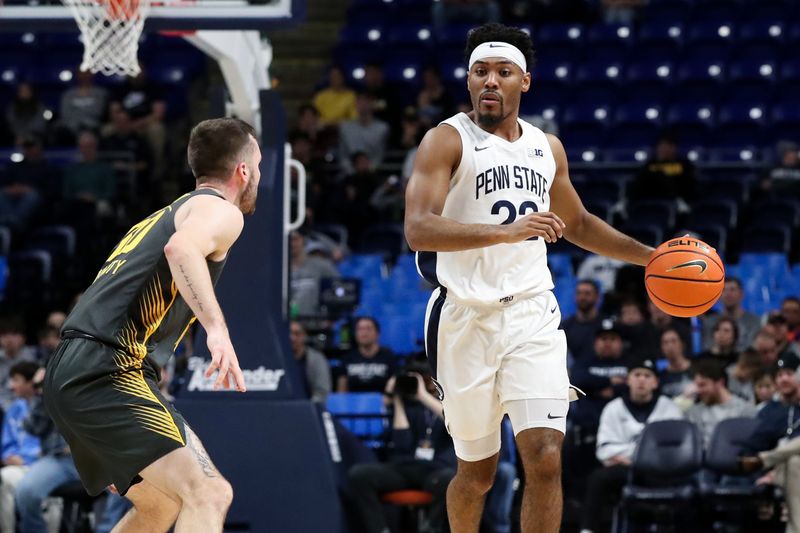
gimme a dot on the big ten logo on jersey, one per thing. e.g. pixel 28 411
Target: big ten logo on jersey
pixel 129 242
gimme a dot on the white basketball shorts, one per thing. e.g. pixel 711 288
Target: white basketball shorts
pixel 484 356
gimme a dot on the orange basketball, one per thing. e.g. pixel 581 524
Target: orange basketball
pixel 685 277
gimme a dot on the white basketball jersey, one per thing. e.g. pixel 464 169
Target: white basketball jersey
pixel 496 182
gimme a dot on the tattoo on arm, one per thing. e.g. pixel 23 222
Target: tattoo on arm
pixel 193 443
pixel 191 288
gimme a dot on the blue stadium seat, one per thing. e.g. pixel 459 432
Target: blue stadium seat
pixel 777 213
pixel 30 274
pixel 560 265
pixel 715 235
pixel 363 413
pixel 691 121
pixel 560 35
pixel 403 70
pixel 403 334
pixel 760 32
pixel 608 42
pixel 650 235
pixel 603 190
pixel 739 124
pixel 714 213
pixel 547 71
pixel 361 34
pixel 599 73
pixel 418 36
pixel 711 32
pixel 362 265
pixel 660 34
pixel 769 239
pixel 652 213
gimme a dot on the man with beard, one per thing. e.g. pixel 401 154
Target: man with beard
pixel 581 327
pixel 101 385
pixel 488 191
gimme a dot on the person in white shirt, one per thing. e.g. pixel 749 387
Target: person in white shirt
pixel 487 194
pixel 621 424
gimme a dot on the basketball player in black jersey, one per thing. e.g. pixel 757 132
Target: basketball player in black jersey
pixel 101 383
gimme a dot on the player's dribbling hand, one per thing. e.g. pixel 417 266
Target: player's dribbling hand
pixel 223 358
pixel 546 225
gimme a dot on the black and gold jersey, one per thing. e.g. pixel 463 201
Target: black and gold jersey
pixel 133 303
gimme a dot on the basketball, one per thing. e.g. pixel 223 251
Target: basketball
pixel 684 277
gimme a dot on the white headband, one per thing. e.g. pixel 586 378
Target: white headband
pixel 498 49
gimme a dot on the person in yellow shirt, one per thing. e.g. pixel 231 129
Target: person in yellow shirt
pixel 336 102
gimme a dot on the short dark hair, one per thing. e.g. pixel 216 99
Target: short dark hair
pixel 792 299
pixel 216 146
pixel 708 368
pixel 12 324
pixel 368 319
pixel 734 279
pixel 591 282
pixel 733 324
pixel 494 31
pixel 26 369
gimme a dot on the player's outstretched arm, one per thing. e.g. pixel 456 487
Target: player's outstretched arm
pixel 205 228
pixel 583 228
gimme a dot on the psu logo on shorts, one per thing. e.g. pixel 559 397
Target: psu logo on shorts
pixel 439 390
pixel 507 299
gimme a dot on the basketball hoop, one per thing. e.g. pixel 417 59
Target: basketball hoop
pixel 110 31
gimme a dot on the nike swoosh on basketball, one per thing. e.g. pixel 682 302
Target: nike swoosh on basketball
pixel 481 149
pixel 551 417
pixel 695 263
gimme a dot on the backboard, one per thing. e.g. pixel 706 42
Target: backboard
pixel 38 15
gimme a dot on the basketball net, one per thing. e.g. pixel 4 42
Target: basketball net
pixel 111 31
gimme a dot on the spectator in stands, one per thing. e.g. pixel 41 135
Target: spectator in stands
pixel 581 327
pixel 25 114
pixel 621 424
pixel 337 102
pixel 130 151
pixel 602 377
pixel 90 183
pixel 312 364
pixel 363 134
pixel 411 133
pixel 714 402
pixel 621 11
pixel 748 323
pixel 48 339
pixel 351 201
pixel 388 200
pixel 764 389
pixel 660 321
pixel 445 11
pixel 778 327
pixel 19 448
pixel 13 350
pixel 785 176
pixel 724 337
pixel 433 103
pixel 384 101
pixel 767 348
pixel 636 331
pixel 55 319
pixel 321 137
pixel 778 424
pixel 742 375
pixel 422 458
pixel 368 367
pixel 53 469
pixel 667 176
pixel 83 106
pixel 143 102
pixel 602 269
pixel 790 309
pixel 28 184
pixel 306 273
pixel 676 377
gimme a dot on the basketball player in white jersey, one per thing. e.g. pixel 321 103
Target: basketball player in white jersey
pixel 488 193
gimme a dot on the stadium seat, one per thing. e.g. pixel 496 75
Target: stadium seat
pixel 651 235
pixel 560 265
pixel 691 121
pixel 714 212
pixel 362 265
pixel 762 32
pixel 652 213
pixel 387 239
pixel 30 275
pixel 403 334
pixel 732 497
pixel 715 235
pixel 662 480
pixel 363 413
pixel 770 239
pixel 560 35
pixel 777 213
pixel 655 33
